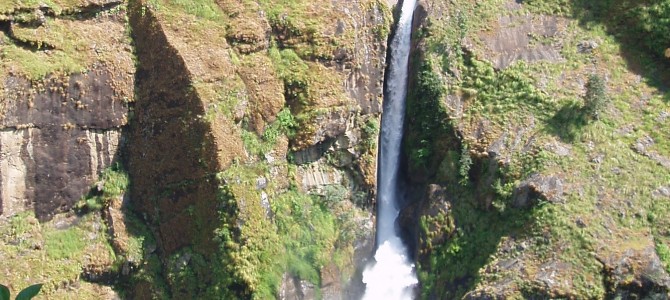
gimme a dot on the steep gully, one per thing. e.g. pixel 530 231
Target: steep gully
pixel 392 276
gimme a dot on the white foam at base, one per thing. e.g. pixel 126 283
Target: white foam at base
pixel 392 276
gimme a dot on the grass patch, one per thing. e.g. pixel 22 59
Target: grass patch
pixel 664 254
pixel 65 244
pixel 47 253
pixel 9 6
pixel 206 9
pixel 71 53
pixel 37 65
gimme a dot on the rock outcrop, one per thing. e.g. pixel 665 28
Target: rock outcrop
pixel 60 131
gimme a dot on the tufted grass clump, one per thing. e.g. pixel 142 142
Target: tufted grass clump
pixel 596 98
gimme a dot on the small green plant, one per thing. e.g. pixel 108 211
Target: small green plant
pixel 26 294
pixel 285 124
pixel 370 133
pixel 664 254
pixel 596 98
pixel 333 194
pixel 465 163
pixel 113 183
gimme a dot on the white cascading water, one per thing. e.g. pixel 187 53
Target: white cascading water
pixel 392 275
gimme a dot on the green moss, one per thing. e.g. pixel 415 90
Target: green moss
pixel 294 72
pixel 206 9
pixel 37 65
pixel 113 183
pixel 57 45
pixel 64 244
pixel 60 253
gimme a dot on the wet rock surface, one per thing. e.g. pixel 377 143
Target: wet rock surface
pixel 292 288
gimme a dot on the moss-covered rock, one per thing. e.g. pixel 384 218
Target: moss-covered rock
pixel 238 99
pixel 541 199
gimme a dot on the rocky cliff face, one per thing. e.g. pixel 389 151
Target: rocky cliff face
pixel 519 193
pixel 232 111
pixel 66 83
pixel 60 131
pixel 231 123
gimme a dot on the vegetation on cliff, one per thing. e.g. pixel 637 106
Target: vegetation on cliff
pixel 568 165
pixel 272 88
pixel 40 38
pixel 543 166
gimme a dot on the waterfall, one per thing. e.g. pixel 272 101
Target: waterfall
pixel 392 276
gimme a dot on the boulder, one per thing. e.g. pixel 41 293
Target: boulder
pixel 636 274
pixel 538 187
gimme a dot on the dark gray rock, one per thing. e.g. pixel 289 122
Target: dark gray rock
pixel 641 147
pixel 663 191
pixel 587 46
pixel 580 223
pixel 292 288
pixel 637 274
pixel 58 134
pixel 261 183
pixel 538 187
pixel 559 148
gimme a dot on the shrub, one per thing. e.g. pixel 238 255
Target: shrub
pixel 596 98
pixel 426 115
pixel 465 164
pixel 654 20
pixel 112 184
